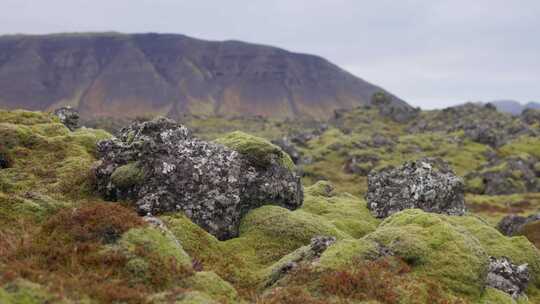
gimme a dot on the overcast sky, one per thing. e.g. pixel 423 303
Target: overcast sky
pixel 432 53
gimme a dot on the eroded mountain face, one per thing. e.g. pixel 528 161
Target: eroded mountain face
pixel 147 74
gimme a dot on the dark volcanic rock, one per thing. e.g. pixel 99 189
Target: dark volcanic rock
pixel 388 108
pixel 286 145
pixel 304 255
pixel 506 176
pixel 360 164
pixel 128 75
pixel 508 277
pixel 480 123
pixel 4 160
pixel 69 117
pixel 428 184
pixel 531 116
pixel 160 167
pixel 511 224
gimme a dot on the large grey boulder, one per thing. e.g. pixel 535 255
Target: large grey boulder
pixel 508 277
pixel 160 167
pixel 428 184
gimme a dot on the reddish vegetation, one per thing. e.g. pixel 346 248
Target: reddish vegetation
pixel 290 295
pixel 510 207
pixel 385 280
pixel 532 232
pixel 67 255
pixel 370 280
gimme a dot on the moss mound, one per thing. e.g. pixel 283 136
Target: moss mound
pixel 259 151
pixel 346 212
pixel 127 176
pixel 435 248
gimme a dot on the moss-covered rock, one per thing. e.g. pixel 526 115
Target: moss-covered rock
pixel 347 251
pixel 346 212
pixel 495 296
pixel 148 248
pixel 214 286
pixel 259 151
pixel 127 176
pixel 274 231
pixel 436 248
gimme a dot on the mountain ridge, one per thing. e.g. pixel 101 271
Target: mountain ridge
pixel 126 75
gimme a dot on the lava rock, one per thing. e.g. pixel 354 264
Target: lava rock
pixel 69 117
pixel 387 108
pixel 505 176
pixel 5 162
pixel 360 164
pixel 480 123
pixel 286 145
pixel 160 167
pixel 508 277
pixel 511 224
pixel 530 116
pixel 305 255
pixel 428 184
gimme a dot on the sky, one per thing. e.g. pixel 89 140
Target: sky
pixel 431 53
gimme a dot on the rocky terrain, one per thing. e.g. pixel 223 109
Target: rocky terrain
pixel 375 205
pixel 120 75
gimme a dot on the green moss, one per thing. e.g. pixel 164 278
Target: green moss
pixel 494 207
pixel 25 292
pixel 344 252
pixel 127 176
pixel 273 231
pixel 38 207
pixel 152 240
pixel 495 296
pixel 475 185
pixel 518 249
pixel 436 248
pixel 183 297
pixel 346 212
pixel 523 144
pixel 22 117
pixel 214 286
pixel 88 138
pixel 258 150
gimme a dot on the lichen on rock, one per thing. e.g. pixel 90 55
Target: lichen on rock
pixel 428 184
pixel 160 167
pixel 507 277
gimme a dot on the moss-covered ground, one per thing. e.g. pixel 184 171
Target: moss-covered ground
pixel 61 243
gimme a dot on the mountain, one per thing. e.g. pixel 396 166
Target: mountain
pixel 514 107
pixel 127 75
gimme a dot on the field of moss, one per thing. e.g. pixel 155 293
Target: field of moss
pixel 60 242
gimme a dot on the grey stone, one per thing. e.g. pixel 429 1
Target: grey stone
pixel 160 167
pixel 508 277
pixel 428 184
pixel 68 116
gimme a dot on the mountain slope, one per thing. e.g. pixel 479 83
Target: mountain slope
pixel 514 107
pixel 119 75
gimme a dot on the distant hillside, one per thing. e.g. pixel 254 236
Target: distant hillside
pixel 119 75
pixel 514 107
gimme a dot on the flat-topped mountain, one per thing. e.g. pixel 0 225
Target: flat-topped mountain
pixel 121 75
